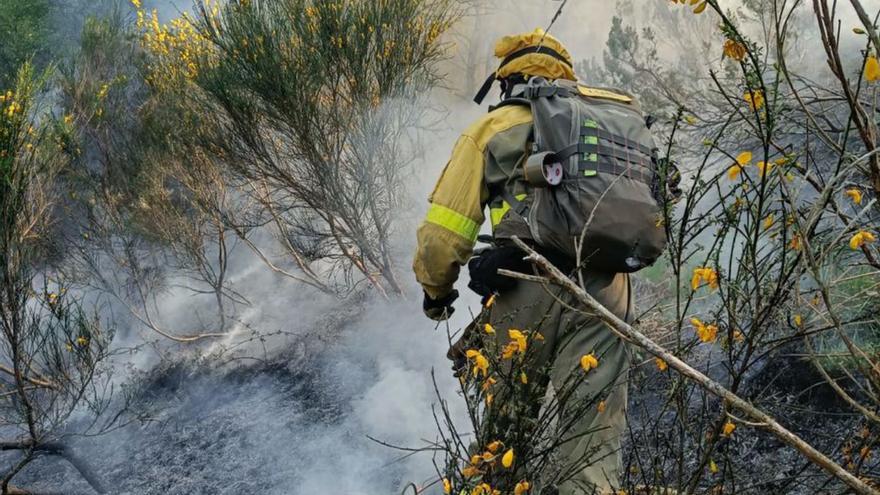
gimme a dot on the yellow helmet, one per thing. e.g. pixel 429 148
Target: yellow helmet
pixel 530 54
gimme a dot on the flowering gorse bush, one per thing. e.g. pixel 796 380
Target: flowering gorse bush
pixel 772 261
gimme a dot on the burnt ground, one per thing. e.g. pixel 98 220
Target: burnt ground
pixel 751 462
pixel 289 425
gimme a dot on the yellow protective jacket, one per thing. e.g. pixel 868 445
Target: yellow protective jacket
pixel 488 155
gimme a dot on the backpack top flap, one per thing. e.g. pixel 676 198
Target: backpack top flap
pixel 572 119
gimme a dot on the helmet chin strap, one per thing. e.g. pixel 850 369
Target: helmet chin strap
pixel 543 50
pixel 485 88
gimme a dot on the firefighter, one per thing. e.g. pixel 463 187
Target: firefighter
pixel 485 171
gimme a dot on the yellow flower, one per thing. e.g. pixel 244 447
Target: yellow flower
pixel 734 171
pixel 494 446
pixel 488 328
pixel 481 364
pixel 588 362
pixel 744 158
pixel 798 321
pixel 482 489
pixel 489 399
pixel 81 341
pixel 860 239
pixel 855 195
pixel 521 488
pixel 519 338
pixel 661 364
pixel 136 3
pixel 704 274
pixel 470 471
pixel 872 69
pixel 764 168
pixel 735 50
pixel 706 333
pixel 507 459
pixel 447 486
pixel 782 161
pixel 509 350
pixel 712 466
pixel 488 383
pixel 755 99
pixel 601 407
pixel 768 222
pixel 738 336
pixel 524 378
pixel 728 428
pixel 490 301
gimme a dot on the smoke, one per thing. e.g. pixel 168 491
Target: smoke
pixel 291 413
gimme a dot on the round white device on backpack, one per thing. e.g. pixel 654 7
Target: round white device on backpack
pixel 553 173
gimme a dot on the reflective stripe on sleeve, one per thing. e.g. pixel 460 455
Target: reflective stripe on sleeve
pixel 453 221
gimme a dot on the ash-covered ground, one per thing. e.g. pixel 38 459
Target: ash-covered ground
pixel 294 423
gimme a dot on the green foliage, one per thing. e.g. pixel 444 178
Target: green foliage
pixel 622 42
pixel 24 34
pixel 315 101
pixel 49 346
pixel 21 164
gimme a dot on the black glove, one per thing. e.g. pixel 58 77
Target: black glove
pixel 485 279
pixel 439 309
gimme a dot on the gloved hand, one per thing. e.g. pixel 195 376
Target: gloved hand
pixel 483 268
pixel 439 309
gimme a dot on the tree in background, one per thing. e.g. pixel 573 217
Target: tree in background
pixel 51 348
pixel 144 211
pixel 310 110
pixel 24 30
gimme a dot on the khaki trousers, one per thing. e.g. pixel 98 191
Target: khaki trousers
pixel 569 334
